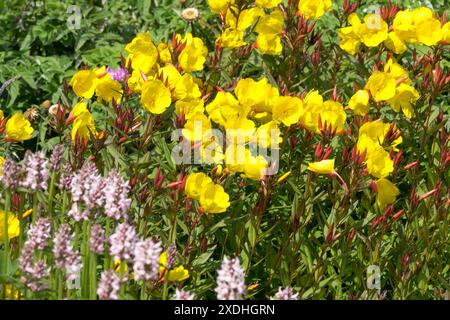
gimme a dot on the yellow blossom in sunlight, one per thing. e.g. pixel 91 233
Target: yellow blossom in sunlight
pixel 232 38
pixel 445 32
pixel 268 4
pixel 397 71
pixel 177 274
pixel 214 199
pixel 269 44
pixel 255 167
pixel 84 83
pixel 267 135
pixel 382 86
pixel 107 89
pixel 314 9
pixel 349 37
pixel 395 44
pixel 186 88
pixel 359 102
pixel 373 31
pixel 322 167
pixel 387 192
pixel 193 56
pixel 155 97
pixel 287 110
pixel 271 23
pixel 246 17
pixel 190 108
pixel 164 51
pixel 13 225
pixel 405 97
pixel 18 128
pixel 376 131
pixel 219 6
pixel 170 75
pixel 142 52
pixel 379 163
pixel 195 184
pixel 197 128
pixel 83 126
pixel 1 165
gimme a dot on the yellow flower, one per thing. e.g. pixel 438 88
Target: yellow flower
pixel 190 108
pixel 214 199
pixel 404 26
pixel 328 112
pixel 395 44
pixel 232 38
pixel 376 131
pixel 379 163
pixel 193 56
pixel 359 102
pixel 84 83
pixel 257 95
pixel 219 6
pixel 386 194
pixel 165 55
pixel 267 134
pixel 269 44
pixel 349 38
pixel 322 167
pixel 155 97
pixel 84 126
pixel 314 9
pixel 211 152
pixel 176 274
pixel 142 52
pixel 381 86
pixel 397 71
pixel 271 23
pixel 446 33
pixel 2 116
pixel 373 31
pixel 223 107
pixel 18 128
pixel 136 81
pixel 287 110
pixel 186 88
pixel 255 167
pixel 429 32
pixel 197 128
pixel 107 89
pixel 404 97
pixel 195 184
pixel 1 165
pixel 245 17
pixel 268 4
pixel 13 225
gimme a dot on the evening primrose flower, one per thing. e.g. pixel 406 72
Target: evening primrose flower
pixel 197 128
pixel 446 33
pixel 186 88
pixel 241 20
pixel 328 112
pixel 190 108
pixel 387 192
pixel 349 37
pixel 379 163
pixel 314 9
pixel 142 52
pixel 84 83
pixel 18 128
pixel 359 102
pixel 269 44
pixel 193 56
pixel 373 31
pixel 287 110
pixel 108 89
pixel 267 4
pixel 376 131
pixel 219 6
pixel 214 199
pixel 232 38
pixel 176 274
pixel 195 184
pixel 255 167
pixel 322 167
pixel 271 23
pixel 405 97
pixel 83 126
pixel 13 225
pixel 155 97
pixel 395 44
pixel 382 86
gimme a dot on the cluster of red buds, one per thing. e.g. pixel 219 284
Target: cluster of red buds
pixel 126 123
pixel 349 8
pixel 389 11
pixel 383 220
pixel 321 153
pixel 331 235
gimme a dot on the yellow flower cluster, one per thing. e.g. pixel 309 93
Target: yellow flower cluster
pixel 238 22
pixel 314 9
pixel 212 197
pixel 418 26
pixel 83 126
pixel 379 164
pixel 392 85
